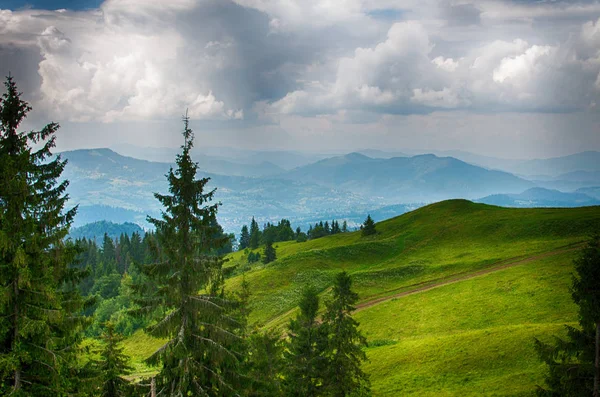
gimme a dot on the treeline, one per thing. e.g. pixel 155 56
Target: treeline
pixel 55 290
pixel 112 268
pixel 252 237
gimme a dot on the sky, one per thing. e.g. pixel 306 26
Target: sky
pixel 503 78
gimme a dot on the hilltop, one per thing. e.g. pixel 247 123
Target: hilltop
pixel 97 230
pixel 451 294
pixel 434 284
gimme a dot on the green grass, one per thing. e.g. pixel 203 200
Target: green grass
pixel 139 347
pixel 429 244
pixel 474 337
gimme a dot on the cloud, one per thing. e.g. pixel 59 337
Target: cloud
pixel 401 75
pixel 323 64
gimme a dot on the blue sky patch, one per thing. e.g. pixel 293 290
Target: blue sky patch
pixel 50 4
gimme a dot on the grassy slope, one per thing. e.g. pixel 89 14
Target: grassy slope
pixel 471 337
pixel 425 245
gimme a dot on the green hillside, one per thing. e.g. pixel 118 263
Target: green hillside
pixel 451 295
pixel 424 246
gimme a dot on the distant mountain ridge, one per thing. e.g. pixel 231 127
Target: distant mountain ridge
pixel 422 178
pixel 104 183
pixel 109 186
pixel 540 197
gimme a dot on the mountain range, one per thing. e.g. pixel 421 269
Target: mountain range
pixel 540 197
pixel 423 178
pixel 110 186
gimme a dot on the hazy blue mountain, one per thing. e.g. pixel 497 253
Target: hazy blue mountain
pixel 381 154
pixel 570 181
pixel 105 183
pixel 208 163
pixel 94 213
pixel 565 169
pixel 593 191
pixel 228 161
pixel 585 161
pixel 424 178
pixel 540 197
pixel 96 230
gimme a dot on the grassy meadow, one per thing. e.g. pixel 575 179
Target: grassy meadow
pixel 471 336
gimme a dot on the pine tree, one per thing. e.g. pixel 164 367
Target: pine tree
pixel 345 227
pixel 368 227
pixel 265 365
pixel 186 286
pixel 113 364
pixel 254 235
pixel 344 349
pixel 40 325
pixel 244 238
pixel 269 255
pixel 574 362
pixel 304 350
pixel 109 255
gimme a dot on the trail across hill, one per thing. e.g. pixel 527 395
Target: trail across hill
pixel 456 278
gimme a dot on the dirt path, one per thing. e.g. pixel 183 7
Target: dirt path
pixel 456 278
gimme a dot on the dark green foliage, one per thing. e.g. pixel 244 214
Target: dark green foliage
pixel 253 257
pixel 113 364
pixel 368 227
pixel 345 227
pixel 282 231
pixel 302 237
pixel 40 325
pixel 269 254
pixel 183 291
pixel 254 235
pixel 109 285
pixel 344 348
pixel 108 255
pixel 571 361
pixel 335 227
pixel 265 365
pixel 244 238
pixel 321 229
pixel 304 351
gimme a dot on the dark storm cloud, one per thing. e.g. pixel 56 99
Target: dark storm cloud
pixel 316 69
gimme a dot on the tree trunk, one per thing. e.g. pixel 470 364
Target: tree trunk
pixel 153 388
pixel 17 375
pixel 597 363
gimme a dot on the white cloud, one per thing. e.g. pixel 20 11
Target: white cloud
pixel 323 63
pixel 103 67
pixel 447 64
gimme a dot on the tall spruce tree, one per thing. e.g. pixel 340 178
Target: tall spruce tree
pixel 113 364
pixel 269 254
pixel 344 348
pixel 574 362
pixel 39 295
pixel 254 234
pixel 368 227
pixel 265 365
pixel 244 238
pixel 304 350
pixel 197 358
